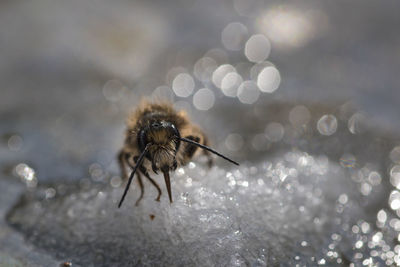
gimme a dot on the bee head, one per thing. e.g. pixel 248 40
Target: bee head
pixel 163 139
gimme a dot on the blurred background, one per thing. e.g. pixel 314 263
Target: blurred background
pixel 254 74
pixel 71 71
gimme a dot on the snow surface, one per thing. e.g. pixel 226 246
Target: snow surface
pixel 282 210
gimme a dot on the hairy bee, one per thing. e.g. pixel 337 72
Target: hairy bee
pixel 160 138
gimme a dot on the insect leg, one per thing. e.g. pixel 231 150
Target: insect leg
pixel 139 162
pixel 140 181
pixel 144 171
pixel 141 189
pixel 190 149
pixel 122 164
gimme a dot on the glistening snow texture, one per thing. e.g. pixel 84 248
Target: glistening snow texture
pixel 281 210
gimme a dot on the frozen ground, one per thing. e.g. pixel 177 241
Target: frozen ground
pixel 14 249
pixel 292 208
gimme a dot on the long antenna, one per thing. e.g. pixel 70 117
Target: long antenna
pixel 132 174
pixel 207 148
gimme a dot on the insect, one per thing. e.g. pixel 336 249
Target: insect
pixel 160 138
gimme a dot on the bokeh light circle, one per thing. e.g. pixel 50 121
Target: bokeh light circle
pixel 327 125
pixel 163 93
pixel 274 131
pixel 220 73
pixel 248 92
pixel 357 123
pixel 233 36
pixel 204 99
pixel 113 90
pixel 183 85
pixel 203 68
pixel 395 154
pixel 269 79
pixel 257 48
pixel 230 84
pixel 234 142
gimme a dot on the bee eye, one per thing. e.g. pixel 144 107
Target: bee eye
pixel 156 125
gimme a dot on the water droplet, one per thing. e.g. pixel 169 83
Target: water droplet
pixel 96 172
pixel 365 227
pixel 343 199
pixel 327 125
pixel 27 174
pixel 381 216
pixel 394 200
pixel 377 237
pixel 357 123
pixel 365 189
pixel 192 165
pixel 359 244
pixel 50 192
pixel 374 178
pixel 116 181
